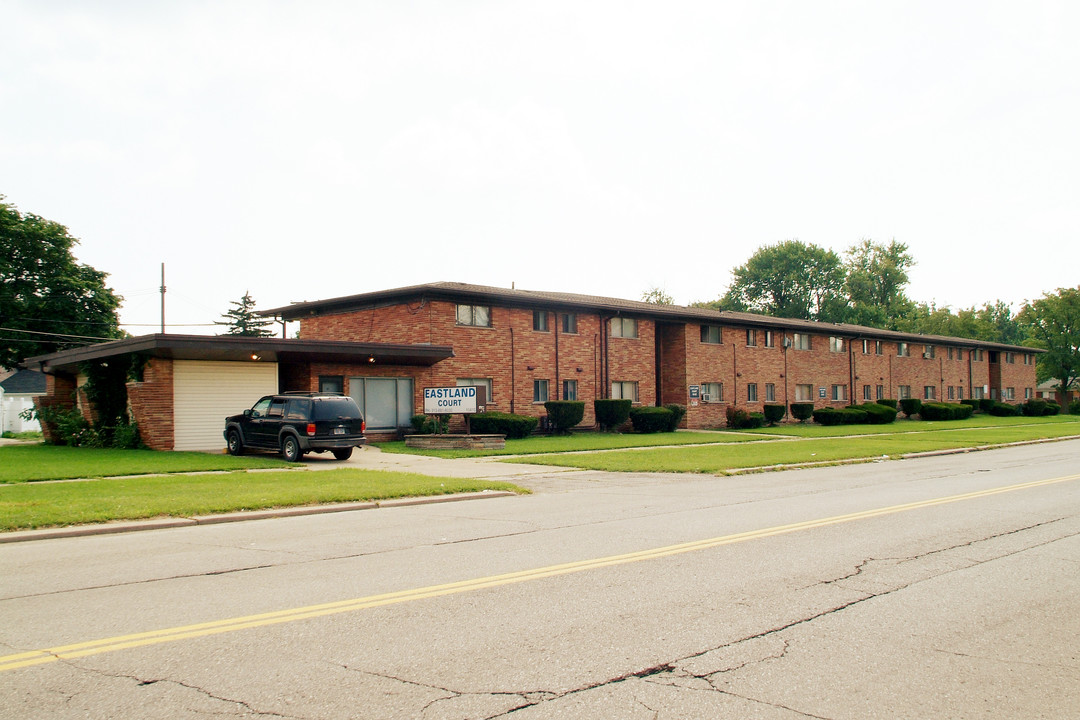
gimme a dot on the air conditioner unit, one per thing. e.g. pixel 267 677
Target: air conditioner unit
pixel 706 397
pixel 927 356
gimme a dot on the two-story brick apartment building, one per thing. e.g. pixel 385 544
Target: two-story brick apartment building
pixel 526 347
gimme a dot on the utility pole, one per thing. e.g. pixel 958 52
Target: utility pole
pixel 162 298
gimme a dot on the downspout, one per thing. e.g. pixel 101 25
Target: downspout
pixel 784 349
pixel 971 377
pixel 851 373
pixel 941 376
pixel 513 385
pixel 734 376
pixel 557 386
pixel 605 369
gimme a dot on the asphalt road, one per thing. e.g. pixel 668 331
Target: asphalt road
pixel 937 587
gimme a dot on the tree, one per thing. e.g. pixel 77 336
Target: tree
pixel 242 320
pixel 48 300
pixel 876 276
pixel 993 322
pixel 1054 324
pixel 790 279
pixel 657 296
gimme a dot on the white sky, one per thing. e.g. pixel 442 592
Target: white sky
pixel 307 150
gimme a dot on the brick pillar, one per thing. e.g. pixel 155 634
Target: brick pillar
pixel 151 402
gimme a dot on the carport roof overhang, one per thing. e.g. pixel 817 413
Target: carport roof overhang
pixel 242 349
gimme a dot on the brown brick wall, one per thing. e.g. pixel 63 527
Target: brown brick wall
pixel 151 404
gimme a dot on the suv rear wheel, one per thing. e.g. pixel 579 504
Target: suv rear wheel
pixel 290 449
pixel 343 453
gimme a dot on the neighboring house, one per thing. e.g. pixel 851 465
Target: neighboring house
pixel 526 347
pixel 1051 390
pixel 17 393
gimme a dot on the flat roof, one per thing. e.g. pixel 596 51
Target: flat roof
pixel 241 349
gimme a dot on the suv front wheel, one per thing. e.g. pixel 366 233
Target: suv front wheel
pixel 290 449
pixel 236 445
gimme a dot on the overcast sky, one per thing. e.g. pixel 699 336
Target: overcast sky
pixel 308 150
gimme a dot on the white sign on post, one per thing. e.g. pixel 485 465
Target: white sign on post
pixel 453 400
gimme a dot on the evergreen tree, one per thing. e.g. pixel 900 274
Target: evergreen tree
pixel 242 320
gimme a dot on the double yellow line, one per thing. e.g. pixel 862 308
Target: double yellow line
pixel 217 627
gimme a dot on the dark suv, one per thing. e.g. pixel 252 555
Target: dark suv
pixel 297 423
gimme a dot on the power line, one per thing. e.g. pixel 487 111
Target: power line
pixel 56 335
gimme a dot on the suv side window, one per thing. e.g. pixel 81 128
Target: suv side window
pixel 277 409
pixel 298 409
pixel 261 408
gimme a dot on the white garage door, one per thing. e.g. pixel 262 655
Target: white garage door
pixel 205 393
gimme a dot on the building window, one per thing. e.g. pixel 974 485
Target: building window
pixel 475 315
pixel 751 392
pixel 1027 393
pixel 838 392
pixel 928 351
pixel 836 344
pixel 879 347
pixel 770 392
pixel 1010 357
pixel 540 391
pixel 569 389
pixel 540 320
pixel 901 349
pixel 478 382
pixel 977 355
pixel 866 392
pixel 950 353
pixel 903 392
pixel 804 393
pixel 977 392
pixel 879 392
pixel 624 391
pixel 865 347
pixel 952 392
pixel 959 392
pixel 800 341
pixel 624 327
pixel 712 334
pixel 712 392
pixel 770 339
pixel 1028 358
pixel 331 384
pixel 929 392
pixel 751 338
pixel 569 323
pixel 1008 393
pixel 959 354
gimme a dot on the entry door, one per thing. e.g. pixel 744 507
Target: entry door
pixel 387 402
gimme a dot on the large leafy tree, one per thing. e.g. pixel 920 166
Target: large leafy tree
pixel 791 279
pixel 657 296
pixel 994 322
pixel 876 276
pixel 242 320
pixel 48 300
pixel 1054 323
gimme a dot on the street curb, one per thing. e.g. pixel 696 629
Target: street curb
pixel 164 523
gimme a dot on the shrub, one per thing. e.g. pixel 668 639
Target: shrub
pixel 514 427
pixel 963 412
pixel 945 411
pixel 887 402
pixel 1000 409
pixel 986 404
pixel 877 414
pixel 774 413
pixel 126 437
pixel 650 419
pixel 972 403
pixel 610 414
pixel 802 411
pixel 1074 407
pixel 839 416
pixel 910 406
pixel 430 424
pixel 1052 408
pixel 1035 407
pixel 678 412
pixel 740 419
pixel 564 414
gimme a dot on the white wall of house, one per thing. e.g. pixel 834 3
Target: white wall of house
pixel 10 407
pixel 205 393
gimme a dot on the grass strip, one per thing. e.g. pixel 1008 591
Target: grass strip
pixel 812 430
pixel 35 505
pixel 718 459
pixel 28 463
pixel 579 441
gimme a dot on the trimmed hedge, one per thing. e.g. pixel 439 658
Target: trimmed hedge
pixel 650 419
pixel 1033 407
pixel 740 419
pixel 910 406
pixel 514 427
pixel 564 414
pixel 945 411
pixel 802 411
pixel 878 414
pixel 972 402
pixel 985 404
pixel 774 413
pixel 887 402
pixel 1074 407
pixel 678 412
pixel 610 414
pixel 1052 408
pixel 1000 409
pixel 840 416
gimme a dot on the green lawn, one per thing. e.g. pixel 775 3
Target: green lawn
pixel 579 441
pixel 35 505
pixel 718 459
pixel 27 463
pixel 811 429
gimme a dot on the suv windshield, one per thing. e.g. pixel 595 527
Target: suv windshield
pixel 336 408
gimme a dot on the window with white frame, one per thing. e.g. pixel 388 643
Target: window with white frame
pixel 712 334
pixel 839 392
pixel 540 320
pixel 770 392
pixel 865 347
pixel 800 341
pixel 929 392
pixel 624 327
pixel 1010 357
pixel 569 389
pixel 540 391
pixel 977 355
pixel 866 393
pixel 475 315
pixel 929 351
pixel 836 344
pixel 751 392
pixel 478 382
pixel 1027 393
pixel 804 393
pixel 901 349
pixel 952 392
pixel 879 392
pixel 879 347
pixel 977 393
pixel 770 339
pixel 751 337
pixel 903 392
pixel 569 323
pixel 1028 358
pixel 1008 393
pixel 624 390
pixel 950 353
pixel 959 392
pixel 712 392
